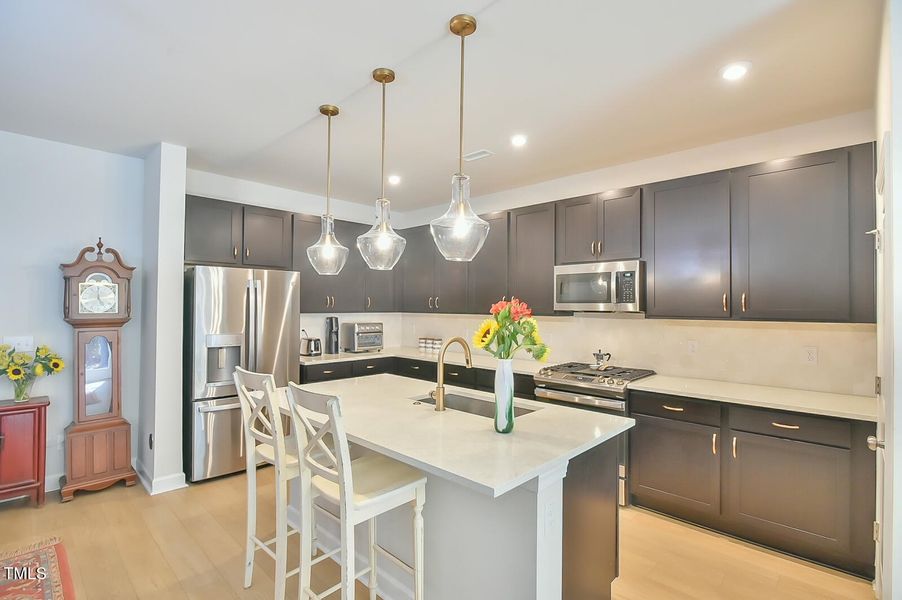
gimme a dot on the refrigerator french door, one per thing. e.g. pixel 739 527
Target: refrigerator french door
pixel 233 317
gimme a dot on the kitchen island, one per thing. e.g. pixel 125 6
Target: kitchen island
pixel 503 512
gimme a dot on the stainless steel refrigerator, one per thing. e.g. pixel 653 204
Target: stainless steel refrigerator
pixel 233 317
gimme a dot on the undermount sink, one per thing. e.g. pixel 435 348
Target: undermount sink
pixel 474 406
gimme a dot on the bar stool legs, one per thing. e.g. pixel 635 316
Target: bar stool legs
pixel 418 544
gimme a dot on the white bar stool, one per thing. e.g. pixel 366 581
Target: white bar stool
pixel 363 489
pixel 265 441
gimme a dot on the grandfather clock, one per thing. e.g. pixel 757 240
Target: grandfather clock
pixel 97 303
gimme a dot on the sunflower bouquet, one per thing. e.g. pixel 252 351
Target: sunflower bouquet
pixel 23 368
pixel 511 328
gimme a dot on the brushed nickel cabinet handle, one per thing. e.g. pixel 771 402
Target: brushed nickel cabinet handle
pixel 455 373
pixel 327 372
pixel 592 247
pixel 743 302
pixel 734 446
pixel 436 303
pixel 714 444
pixel 234 251
pixel 599 247
pixel 724 301
pixel 430 301
pixel 247 252
pixel 784 425
pixel 371 366
pixel 333 301
pixel 327 301
pixel 369 302
pixel 673 408
pixel 415 367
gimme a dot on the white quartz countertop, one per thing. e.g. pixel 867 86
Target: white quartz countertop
pixel 380 414
pixel 862 408
pixel 453 356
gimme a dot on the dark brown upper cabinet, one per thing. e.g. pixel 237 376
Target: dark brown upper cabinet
pixel 598 227
pixel 267 238
pixel 431 283
pixel 800 252
pixel 531 257
pixel 487 275
pixel 344 292
pixel 212 231
pixel 686 245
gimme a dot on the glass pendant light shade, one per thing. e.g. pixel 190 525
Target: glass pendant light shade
pixel 459 233
pixel 381 247
pixel 327 255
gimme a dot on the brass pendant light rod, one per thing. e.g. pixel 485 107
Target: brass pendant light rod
pixel 330 111
pixel 462 26
pixel 383 76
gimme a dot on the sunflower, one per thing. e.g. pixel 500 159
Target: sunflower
pixel 15 372
pixel 20 358
pixel 39 370
pixel 485 333
pixel 57 365
pixel 42 351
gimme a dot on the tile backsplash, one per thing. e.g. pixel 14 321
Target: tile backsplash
pixel 827 357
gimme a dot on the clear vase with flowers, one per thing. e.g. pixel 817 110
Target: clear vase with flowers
pixel 24 368
pixel 511 328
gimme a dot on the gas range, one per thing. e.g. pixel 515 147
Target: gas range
pixel 602 380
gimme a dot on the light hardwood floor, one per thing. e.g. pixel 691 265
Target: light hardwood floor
pixel 189 543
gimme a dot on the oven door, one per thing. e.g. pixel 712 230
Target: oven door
pixel 584 287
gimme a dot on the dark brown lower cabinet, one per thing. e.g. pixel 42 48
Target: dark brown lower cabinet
pixel 799 483
pixel 675 468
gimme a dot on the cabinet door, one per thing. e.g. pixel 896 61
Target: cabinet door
pixel 380 289
pixel 577 230
pixel 18 448
pixel 619 216
pixel 212 231
pixel 687 246
pixel 789 494
pixel 791 238
pixel 349 285
pixel 675 467
pixel 531 256
pixel 316 290
pixel 450 285
pixel 488 271
pixel 419 271
pixel 267 238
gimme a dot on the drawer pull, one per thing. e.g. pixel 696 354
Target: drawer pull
pixel 673 408
pixel 724 301
pixel 327 372
pixel 371 366
pixel 714 444
pixel 744 303
pixel 784 425
pixel 734 446
pixel 455 373
pixel 415 367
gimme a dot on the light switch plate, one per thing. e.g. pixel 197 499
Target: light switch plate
pixel 21 343
pixel 692 346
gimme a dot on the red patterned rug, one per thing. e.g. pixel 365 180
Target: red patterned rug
pixel 40 571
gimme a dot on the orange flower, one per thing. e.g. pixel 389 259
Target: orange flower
pixel 519 309
pixel 499 306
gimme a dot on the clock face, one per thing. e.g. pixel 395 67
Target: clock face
pixel 98 295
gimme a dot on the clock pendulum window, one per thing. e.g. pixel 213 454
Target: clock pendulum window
pixel 97 303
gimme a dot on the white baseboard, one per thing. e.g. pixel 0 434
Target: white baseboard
pixel 52 482
pixel 169 483
pixel 389 587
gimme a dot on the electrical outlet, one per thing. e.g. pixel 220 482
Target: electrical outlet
pixel 692 346
pixel 21 343
pixel 809 355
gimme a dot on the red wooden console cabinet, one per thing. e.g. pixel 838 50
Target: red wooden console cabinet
pixel 23 444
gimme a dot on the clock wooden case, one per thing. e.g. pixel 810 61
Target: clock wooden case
pixel 97 303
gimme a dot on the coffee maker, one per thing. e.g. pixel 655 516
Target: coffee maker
pixel 331 336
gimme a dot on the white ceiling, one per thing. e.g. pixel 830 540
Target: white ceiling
pixel 591 83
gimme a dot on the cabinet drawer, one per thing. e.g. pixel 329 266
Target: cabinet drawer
pixel 418 369
pixel 792 426
pixel 460 375
pixel 524 385
pixel 326 372
pixel 675 407
pixel 373 366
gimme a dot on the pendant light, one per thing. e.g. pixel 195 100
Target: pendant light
pixel 327 255
pixel 459 234
pixel 381 247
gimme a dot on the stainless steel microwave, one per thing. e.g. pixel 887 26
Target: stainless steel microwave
pixel 600 287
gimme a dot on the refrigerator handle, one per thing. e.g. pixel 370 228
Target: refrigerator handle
pixel 250 328
pixel 258 318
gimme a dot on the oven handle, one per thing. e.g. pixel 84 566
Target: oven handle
pixel 595 401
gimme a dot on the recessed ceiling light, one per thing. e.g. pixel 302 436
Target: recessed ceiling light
pixel 518 141
pixel 735 71
pixel 394 179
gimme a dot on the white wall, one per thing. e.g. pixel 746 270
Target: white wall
pixel 54 200
pixel 160 469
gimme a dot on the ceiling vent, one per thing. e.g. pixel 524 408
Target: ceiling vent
pixel 478 155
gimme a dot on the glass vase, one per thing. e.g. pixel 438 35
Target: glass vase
pixel 22 389
pixel 504 396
